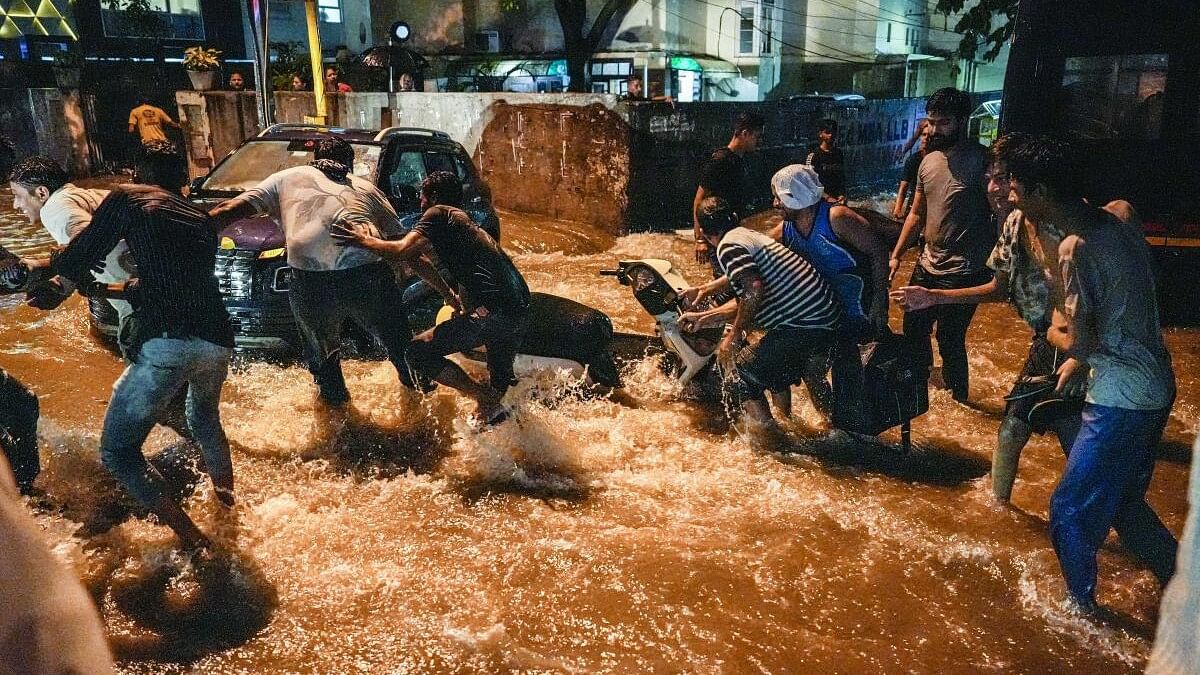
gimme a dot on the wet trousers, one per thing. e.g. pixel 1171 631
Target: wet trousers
pixel 1104 486
pixel 18 429
pixel 499 332
pixel 321 303
pixel 165 366
pixel 951 321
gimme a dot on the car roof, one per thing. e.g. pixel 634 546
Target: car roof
pixel 305 131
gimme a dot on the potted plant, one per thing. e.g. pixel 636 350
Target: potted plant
pixel 67 68
pixel 201 65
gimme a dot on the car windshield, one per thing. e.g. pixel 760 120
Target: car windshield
pixel 256 160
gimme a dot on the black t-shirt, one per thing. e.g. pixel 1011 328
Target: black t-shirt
pixel 724 176
pixel 910 173
pixel 830 167
pixel 476 261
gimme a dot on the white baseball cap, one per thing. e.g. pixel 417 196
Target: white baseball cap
pixel 797 186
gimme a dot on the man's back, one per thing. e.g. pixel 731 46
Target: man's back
pixel 724 176
pixel 474 258
pixel 795 294
pixel 307 201
pixel 174 247
pixel 958 236
pixel 830 165
pixel 1107 272
pixel 149 120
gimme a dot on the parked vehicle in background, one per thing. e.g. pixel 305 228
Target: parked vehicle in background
pixel 252 265
pixel 1124 85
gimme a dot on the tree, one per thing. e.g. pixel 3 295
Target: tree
pixel 976 25
pixel 580 45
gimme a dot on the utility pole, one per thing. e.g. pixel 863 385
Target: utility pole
pixel 262 61
pixel 314 54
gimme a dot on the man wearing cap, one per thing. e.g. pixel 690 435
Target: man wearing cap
pixel 835 240
pixel 775 290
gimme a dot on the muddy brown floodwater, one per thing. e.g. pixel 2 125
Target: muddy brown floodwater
pixel 590 536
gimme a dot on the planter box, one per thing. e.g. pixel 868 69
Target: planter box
pixel 202 80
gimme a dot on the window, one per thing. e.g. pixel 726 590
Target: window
pixel 746 30
pixel 256 160
pixel 767 26
pixel 330 11
pixel 178 19
pixel 1110 97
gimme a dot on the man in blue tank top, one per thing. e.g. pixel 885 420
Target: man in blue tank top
pixel 838 242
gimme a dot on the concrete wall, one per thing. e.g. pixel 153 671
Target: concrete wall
pixel 584 156
pixel 47 122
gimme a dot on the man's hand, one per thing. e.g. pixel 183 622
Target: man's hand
pixel 893 267
pixel 914 298
pixel 702 248
pixel 688 297
pixel 455 303
pixel 346 235
pixel 1072 378
pixel 690 322
pixel 728 347
pixel 48 295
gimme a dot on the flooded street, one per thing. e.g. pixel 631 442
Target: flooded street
pixel 589 535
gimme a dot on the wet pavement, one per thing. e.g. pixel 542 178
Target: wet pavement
pixel 588 535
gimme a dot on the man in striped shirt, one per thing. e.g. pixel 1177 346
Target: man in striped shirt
pixel 775 290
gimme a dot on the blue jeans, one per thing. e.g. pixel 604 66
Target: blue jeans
pixel 164 367
pixel 1104 486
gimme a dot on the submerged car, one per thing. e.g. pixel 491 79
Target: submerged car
pixel 252 268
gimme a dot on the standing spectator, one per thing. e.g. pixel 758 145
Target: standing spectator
pixel 829 161
pixel 908 178
pixel 775 290
pixel 148 120
pixel 299 82
pixel 333 82
pixel 635 91
pixel 491 305
pixel 951 204
pixel 724 176
pixel 406 83
pixel 237 81
pixel 331 283
pixel 181 339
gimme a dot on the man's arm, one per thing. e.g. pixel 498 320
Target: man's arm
pixel 696 294
pixel 855 230
pixel 748 301
pixel 694 321
pixel 94 243
pixel 230 210
pixel 697 234
pixel 1081 284
pixel 408 248
pixel 431 276
pixel 908 232
pixel 901 193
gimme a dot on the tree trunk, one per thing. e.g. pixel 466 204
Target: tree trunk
pixel 580 45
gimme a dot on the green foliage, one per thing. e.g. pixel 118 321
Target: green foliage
pixel 200 59
pixel 138 18
pixel 289 59
pixel 989 24
pixel 510 5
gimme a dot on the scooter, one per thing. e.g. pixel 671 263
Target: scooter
pixel 889 389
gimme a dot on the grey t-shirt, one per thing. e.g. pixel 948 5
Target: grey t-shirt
pixel 958 230
pixel 306 203
pixel 1109 288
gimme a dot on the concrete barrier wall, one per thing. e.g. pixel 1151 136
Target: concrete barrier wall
pixel 47 122
pixel 587 157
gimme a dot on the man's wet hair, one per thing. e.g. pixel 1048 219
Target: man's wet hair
pixel 748 121
pixel 634 76
pixel 443 188
pixel 160 163
pixel 337 149
pixel 38 171
pixel 1003 144
pixel 950 102
pixel 1043 160
pixel 828 125
pixel 716 216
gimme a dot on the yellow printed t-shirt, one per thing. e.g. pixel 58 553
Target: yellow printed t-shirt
pixel 149 121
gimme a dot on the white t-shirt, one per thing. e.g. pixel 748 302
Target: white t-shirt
pixel 306 203
pixel 66 213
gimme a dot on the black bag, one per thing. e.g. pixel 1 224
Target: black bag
pixel 888 388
